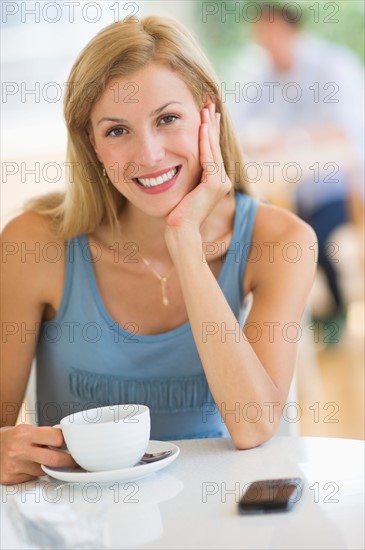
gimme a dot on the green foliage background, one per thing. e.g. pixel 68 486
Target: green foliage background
pixel 341 21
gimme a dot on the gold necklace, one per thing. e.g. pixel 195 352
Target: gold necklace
pixel 161 278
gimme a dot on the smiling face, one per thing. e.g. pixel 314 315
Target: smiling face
pixel 145 131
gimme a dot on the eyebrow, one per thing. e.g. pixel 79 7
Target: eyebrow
pixel 155 112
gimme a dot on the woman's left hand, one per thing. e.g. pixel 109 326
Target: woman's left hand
pixel 215 184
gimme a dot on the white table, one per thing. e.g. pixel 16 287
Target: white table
pixel 193 502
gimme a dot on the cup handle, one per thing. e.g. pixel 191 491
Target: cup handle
pixel 64 448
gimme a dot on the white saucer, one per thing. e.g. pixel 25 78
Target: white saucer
pixel 125 474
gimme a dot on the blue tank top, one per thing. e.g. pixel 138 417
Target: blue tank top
pixel 85 359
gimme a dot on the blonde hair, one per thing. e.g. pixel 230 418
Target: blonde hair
pixel 118 51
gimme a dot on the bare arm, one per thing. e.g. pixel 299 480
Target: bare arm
pixel 239 370
pixel 23 295
pixel 256 368
pixel 25 290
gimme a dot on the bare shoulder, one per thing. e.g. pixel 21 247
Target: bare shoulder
pixel 274 222
pixel 29 239
pixel 31 254
pixel 281 242
pixel 28 225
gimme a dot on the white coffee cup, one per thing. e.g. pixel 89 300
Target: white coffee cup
pixel 107 438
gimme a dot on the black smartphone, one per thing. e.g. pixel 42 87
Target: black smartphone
pixel 271 495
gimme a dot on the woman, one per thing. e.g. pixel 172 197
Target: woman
pixel 157 252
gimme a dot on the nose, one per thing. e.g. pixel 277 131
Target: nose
pixel 150 150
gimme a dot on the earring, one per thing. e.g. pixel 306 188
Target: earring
pixel 105 175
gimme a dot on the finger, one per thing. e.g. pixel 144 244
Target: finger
pixel 214 117
pixel 205 152
pixel 213 122
pixel 54 459
pixel 20 471
pixel 214 139
pixel 47 435
pixel 212 152
pixel 204 145
pixel 20 478
pixel 28 468
pixel 218 123
pixel 13 479
pixel 205 115
pixel 211 109
pixel 214 142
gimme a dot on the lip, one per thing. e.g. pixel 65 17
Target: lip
pixel 156 174
pixel 159 188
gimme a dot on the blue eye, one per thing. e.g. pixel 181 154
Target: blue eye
pixel 169 119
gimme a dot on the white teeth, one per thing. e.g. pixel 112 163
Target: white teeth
pixel 152 182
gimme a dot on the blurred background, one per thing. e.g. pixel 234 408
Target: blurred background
pixel 292 76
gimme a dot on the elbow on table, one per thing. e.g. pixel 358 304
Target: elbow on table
pixel 246 441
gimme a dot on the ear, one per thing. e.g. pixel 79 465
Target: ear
pixel 209 96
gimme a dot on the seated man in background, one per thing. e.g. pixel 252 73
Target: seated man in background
pixel 306 101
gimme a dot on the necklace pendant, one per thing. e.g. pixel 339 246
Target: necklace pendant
pixel 165 300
